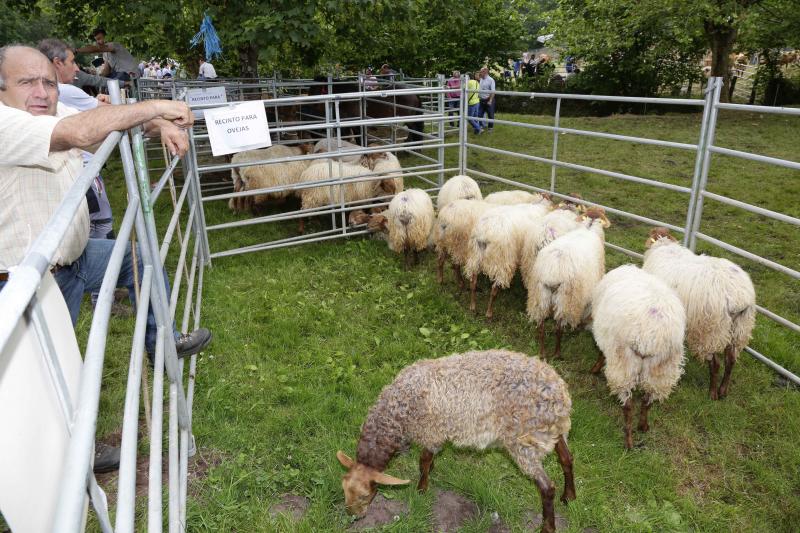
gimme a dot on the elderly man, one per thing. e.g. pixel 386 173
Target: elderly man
pixel 119 63
pixel 40 158
pixel 487 100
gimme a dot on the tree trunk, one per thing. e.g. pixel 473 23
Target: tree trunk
pixel 721 38
pixel 248 61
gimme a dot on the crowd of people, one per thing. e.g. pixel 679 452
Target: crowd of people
pixel 48 129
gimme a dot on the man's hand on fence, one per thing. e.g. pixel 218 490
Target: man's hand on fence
pixel 176 112
pixel 175 139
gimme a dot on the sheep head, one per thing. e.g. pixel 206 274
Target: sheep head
pixel 656 234
pixel 573 206
pixel 360 484
pixel 357 217
pixel 597 213
pixel 377 222
pixel 306 148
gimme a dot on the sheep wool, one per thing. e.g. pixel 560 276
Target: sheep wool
pixel 475 399
pixel 410 220
pixel 555 224
pixel 388 166
pixel 452 231
pixel 719 299
pixel 332 145
pixel 516 197
pixel 458 187
pixel 332 194
pixel 266 175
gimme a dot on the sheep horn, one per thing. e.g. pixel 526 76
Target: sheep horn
pixel 386 479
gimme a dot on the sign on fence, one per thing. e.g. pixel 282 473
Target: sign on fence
pixel 237 128
pixel 211 95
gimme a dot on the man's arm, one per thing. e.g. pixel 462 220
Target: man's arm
pixel 94 48
pixel 92 127
pixel 84 78
pixel 174 138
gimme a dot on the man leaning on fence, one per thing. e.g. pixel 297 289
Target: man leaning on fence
pixel 40 158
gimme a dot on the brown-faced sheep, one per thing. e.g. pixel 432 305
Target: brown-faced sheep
pixel 266 175
pixel 475 399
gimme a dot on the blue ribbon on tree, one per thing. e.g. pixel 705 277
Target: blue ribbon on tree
pixel 209 36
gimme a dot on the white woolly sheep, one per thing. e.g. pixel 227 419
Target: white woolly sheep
pixel 564 274
pixel 409 221
pixel 496 244
pixel 719 299
pixel 451 234
pixel 517 197
pixel 331 145
pixel 638 323
pixel 457 188
pixel 266 175
pixel 556 223
pixel 475 399
pixel 388 166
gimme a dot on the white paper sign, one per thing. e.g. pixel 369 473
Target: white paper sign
pixel 211 95
pixel 237 128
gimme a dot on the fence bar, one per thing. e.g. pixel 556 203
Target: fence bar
pixel 755 157
pixel 698 163
pixel 753 257
pixel 272 246
pixel 556 122
pixel 752 208
pixel 161 182
pixel 773 365
pixel 583 168
pixel 761 109
pixel 154 491
pixel 625 251
pixel 600 98
pixel 126 492
pixel 779 319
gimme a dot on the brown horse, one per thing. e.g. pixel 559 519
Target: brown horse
pixel 376 107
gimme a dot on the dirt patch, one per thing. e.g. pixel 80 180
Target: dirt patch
pixel 498 526
pixel 380 513
pixel 451 510
pixel 533 521
pixel 292 505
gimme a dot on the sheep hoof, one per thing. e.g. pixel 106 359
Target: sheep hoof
pixel 644 428
pixel 422 487
pixel 714 394
pixel 567 497
pixel 723 392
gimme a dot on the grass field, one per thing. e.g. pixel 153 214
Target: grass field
pixel 306 337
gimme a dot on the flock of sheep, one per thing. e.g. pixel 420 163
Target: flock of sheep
pixel 640 317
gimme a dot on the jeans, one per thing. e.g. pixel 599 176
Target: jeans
pixel 473 111
pixel 454 105
pixel 86 275
pixel 486 109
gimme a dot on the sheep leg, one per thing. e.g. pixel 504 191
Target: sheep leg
pixel 627 410
pixel 459 278
pixel 730 360
pixel 492 296
pixel 301 225
pixel 541 338
pixel 473 286
pixel 414 257
pixel 646 403
pixel 559 331
pixel 713 369
pixel 407 258
pixel 440 268
pixel 425 465
pixel 565 459
pixel 547 492
pixel 598 366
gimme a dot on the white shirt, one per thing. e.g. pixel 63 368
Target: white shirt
pixel 486 85
pixel 33 182
pixel 207 71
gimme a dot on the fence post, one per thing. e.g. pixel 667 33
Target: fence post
pixel 698 162
pixel 442 111
pixel 555 146
pixel 463 111
pixel 709 141
pixel 192 175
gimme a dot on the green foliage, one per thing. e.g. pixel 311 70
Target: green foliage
pixel 23 22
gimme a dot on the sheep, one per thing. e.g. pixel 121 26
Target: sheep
pixel 325 169
pixel 556 223
pixel 474 399
pixel 719 299
pixel 638 323
pixel 266 175
pixel 409 221
pixel 331 145
pixel 388 166
pixel 496 244
pixel 564 274
pixel 517 197
pixel 451 234
pixel 458 187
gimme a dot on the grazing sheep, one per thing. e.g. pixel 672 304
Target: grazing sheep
pixel 456 188
pixel 451 234
pixel 638 323
pixel 564 274
pixel 266 175
pixel 496 245
pixel 409 221
pixel 325 169
pixel 475 399
pixel 719 298
pixel 517 197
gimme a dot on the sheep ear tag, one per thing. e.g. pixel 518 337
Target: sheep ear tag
pixel 386 479
pixel 346 461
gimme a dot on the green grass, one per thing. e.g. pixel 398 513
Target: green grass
pixel 306 337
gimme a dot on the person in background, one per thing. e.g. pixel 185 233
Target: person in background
pixel 370 81
pixel 119 64
pixel 454 96
pixel 206 71
pixel 473 102
pixel 487 99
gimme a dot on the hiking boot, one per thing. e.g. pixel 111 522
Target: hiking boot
pixel 106 458
pixel 192 343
